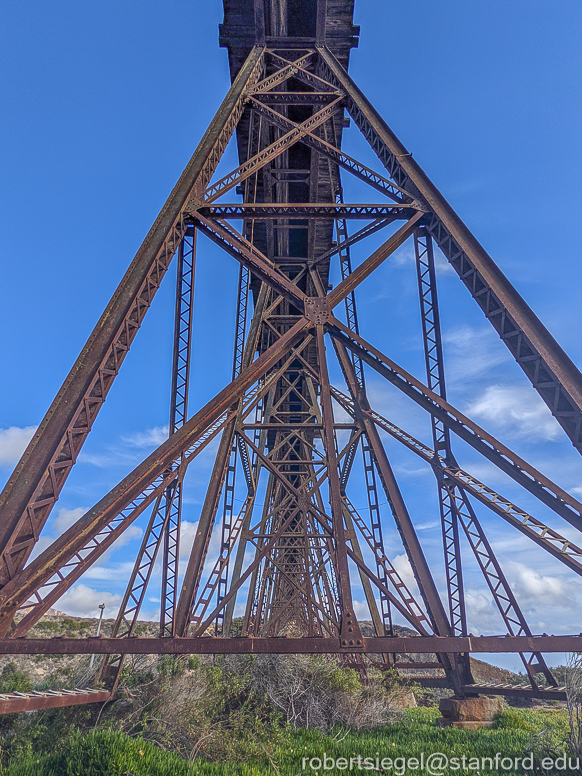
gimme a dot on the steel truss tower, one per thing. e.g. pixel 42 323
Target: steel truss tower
pixel 289 553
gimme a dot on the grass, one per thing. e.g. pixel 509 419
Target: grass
pixel 111 753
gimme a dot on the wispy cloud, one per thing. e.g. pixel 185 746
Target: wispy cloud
pixel 533 589
pixel 405 256
pixel 403 567
pixel 482 615
pixel 13 442
pixel 151 437
pixel 472 353
pixel 125 452
pixel 64 519
pixel 515 410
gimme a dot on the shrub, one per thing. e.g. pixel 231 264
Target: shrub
pixel 510 720
pixel 13 680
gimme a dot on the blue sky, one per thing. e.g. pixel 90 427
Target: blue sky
pixel 102 106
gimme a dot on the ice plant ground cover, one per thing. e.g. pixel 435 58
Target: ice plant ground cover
pixel 103 752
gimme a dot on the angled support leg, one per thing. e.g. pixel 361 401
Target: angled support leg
pixel 457 674
pixel 350 634
pixel 550 370
pixel 186 441
pixel 205 525
pixel 32 490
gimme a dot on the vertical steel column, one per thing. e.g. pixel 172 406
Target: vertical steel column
pixel 178 416
pixel 230 479
pixel 164 524
pixel 436 382
pixel 454 503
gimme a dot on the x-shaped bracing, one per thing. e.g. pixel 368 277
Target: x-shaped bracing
pixel 35 486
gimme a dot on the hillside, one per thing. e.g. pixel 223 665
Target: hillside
pixel 54 670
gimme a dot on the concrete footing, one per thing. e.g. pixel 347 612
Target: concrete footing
pixel 468 713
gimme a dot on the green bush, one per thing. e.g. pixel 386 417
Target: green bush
pixel 13 680
pixel 510 719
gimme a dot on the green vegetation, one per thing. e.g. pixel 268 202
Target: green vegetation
pixel 13 680
pixel 253 716
pixel 112 753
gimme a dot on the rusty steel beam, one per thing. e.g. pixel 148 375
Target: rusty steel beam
pixel 15 703
pixel 294 98
pixel 255 163
pixel 550 540
pixel 31 491
pixel 302 210
pixel 245 645
pixel 286 72
pixel 551 372
pixel 24 584
pixel 522 472
pixel 205 525
pixel 350 633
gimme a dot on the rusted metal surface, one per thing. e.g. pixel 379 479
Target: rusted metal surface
pixel 307 210
pixel 33 488
pixel 522 472
pixel 303 645
pixel 289 548
pixel 551 371
pixel 16 702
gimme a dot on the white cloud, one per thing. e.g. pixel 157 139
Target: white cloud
pixel 83 601
pixel 125 453
pixel 66 518
pixel 404 255
pixel 427 526
pixel 13 442
pixel 482 615
pixel 471 353
pixel 129 535
pixel 533 589
pixel 362 610
pixel 152 437
pixel 113 572
pixel 516 410
pixel 187 534
pixel 442 265
pixel 403 567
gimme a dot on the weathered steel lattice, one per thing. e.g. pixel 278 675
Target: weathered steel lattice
pixel 289 553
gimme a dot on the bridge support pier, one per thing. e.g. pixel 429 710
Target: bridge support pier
pixel 468 713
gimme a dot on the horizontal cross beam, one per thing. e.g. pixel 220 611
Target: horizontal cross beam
pixel 205 645
pixel 308 210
